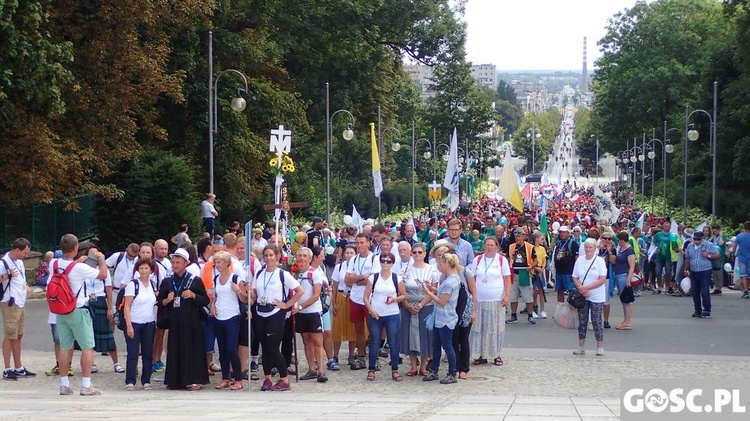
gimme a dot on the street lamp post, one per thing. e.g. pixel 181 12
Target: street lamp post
pixel 427 155
pixel 238 104
pixel 395 146
pixel 534 134
pixel 347 134
pixel 669 149
pixel 693 135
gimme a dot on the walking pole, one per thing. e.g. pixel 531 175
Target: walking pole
pixel 249 346
pixel 294 344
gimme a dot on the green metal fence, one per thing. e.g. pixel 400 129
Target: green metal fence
pixel 44 224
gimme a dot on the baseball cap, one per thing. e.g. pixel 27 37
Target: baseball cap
pixel 180 253
pixel 518 231
pixel 317 220
pixel 698 235
pixel 564 228
pixel 577 228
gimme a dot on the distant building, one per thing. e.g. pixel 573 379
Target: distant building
pixel 422 75
pixel 485 75
pixel 532 96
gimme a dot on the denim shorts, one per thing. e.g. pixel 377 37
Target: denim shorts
pixel 55 336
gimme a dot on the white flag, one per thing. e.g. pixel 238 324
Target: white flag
pixel 700 227
pixel 673 227
pixel 451 173
pixel 640 221
pixel 604 206
pixel 357 219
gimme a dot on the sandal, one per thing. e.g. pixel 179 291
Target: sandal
pixel 396 376
pixel 425 373
pixel 480 361
pixel 129 387
pixel 118 368
pixel 371 375
pixel 194 387
pixel 411 373
pixel 462 375
pixel 623 326
pixel 224 384
pixel 498 361
pixel 147 386
pixel 238 385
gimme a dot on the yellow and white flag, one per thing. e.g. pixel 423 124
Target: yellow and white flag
pixel 377 180
pixel 508 187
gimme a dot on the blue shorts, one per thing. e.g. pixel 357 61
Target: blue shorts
pixel 55 336
pixel 564 282
pixel 622 280
pixel 742 267
pixel 538 281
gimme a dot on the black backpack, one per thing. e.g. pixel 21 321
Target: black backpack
pixel 6 287
pixel 120 304
pixel 393 277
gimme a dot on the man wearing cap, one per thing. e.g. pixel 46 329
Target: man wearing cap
pixel 523 260
pixel 698 257
pixel 578 235
pixel 208 213
pixel 184 296
pixel 565 254
pixel 314 234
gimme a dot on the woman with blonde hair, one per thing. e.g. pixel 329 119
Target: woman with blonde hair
pixel 445 317
pixel 589 275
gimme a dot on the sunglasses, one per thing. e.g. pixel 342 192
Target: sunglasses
pixel 386 261
pixel 417 252
pixel 606 238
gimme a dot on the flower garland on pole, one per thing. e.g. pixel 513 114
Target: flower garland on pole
pixel 281 145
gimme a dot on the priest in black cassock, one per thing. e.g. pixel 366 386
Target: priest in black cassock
pixel 184 296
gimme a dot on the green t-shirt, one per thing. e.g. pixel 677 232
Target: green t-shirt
pixel 477 245
pixel 489 231
pixel 666 242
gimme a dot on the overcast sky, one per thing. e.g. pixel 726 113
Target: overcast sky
pixel 537 34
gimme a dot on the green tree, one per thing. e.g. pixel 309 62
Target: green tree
pixel 161 193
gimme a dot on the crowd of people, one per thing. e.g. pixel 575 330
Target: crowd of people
pixel 408 290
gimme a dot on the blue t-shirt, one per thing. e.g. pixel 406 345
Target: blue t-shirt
pixel 446 316
pixel 743 242
pixel 621 261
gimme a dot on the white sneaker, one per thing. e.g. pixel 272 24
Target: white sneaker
pixel 600 351
pixel 544 314
pixel 90 391
pixel 66 390
pixel 579 351
pixel 534 315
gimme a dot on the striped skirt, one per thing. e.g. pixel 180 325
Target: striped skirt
pixel 488 330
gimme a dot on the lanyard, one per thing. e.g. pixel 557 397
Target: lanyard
pixel 362 266
pixel 267 280
pixel 487 266
pixel 177 286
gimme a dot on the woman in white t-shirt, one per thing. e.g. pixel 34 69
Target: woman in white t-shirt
pixel 225 308
pixel 383 292
pixel 589 275
pixel 140 321
pixel 270 291
pixel 492 283
pixel 343 329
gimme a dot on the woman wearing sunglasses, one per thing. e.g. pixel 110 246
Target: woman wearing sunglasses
pixel 383 293
pixel 414 338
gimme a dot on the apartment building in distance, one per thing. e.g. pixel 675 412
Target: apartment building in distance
pixel 484 74
pixel 533 96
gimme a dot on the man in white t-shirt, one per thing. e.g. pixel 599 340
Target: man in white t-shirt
pixel 123 265
pixel 208 213
pixel 307 313
pixel 358 270
pixel 77 325
pixel 15 288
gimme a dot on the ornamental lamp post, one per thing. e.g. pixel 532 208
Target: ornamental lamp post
pixel 238 104
pixel 347 134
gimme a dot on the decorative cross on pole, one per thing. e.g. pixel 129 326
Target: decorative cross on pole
pixel 280 144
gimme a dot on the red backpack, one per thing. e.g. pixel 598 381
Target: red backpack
pixel 60 296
